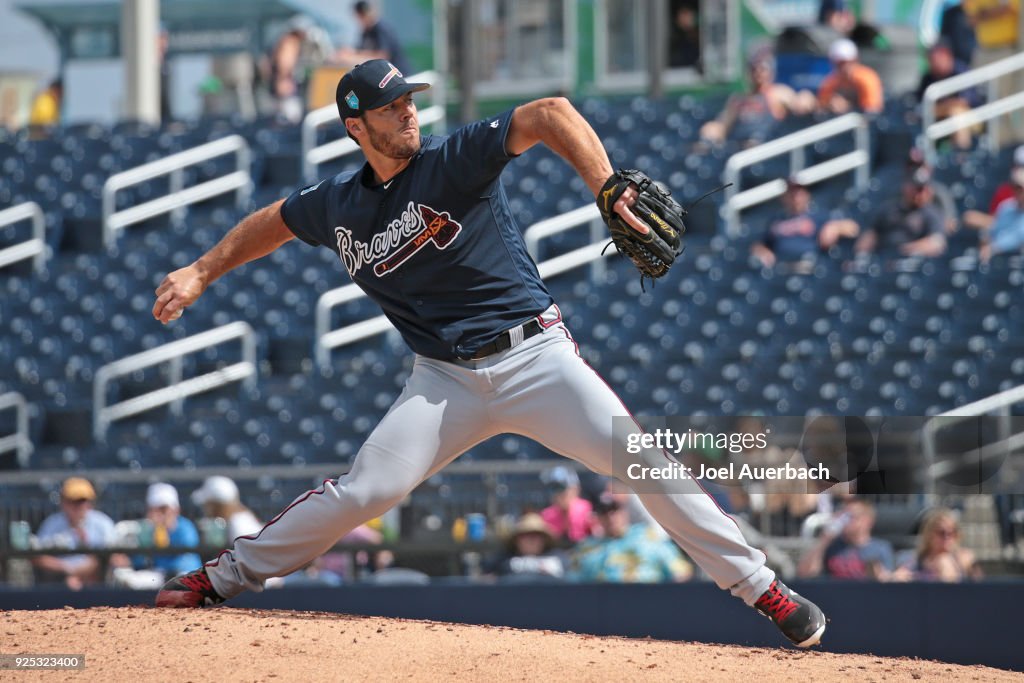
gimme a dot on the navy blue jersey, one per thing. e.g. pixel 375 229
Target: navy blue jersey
pixel 436 247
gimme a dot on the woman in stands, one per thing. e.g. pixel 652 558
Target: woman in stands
pixel 939 555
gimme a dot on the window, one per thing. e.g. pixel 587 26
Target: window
pixel 521 45
pixel 700 41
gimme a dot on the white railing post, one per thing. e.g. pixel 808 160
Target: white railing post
pixel 34 248
pixel 328 339
pixel 991 111
pixel 18 441
pixel 997 402
pixel 314 155
pixel 178 388
pixel 240 182
pixel 858 160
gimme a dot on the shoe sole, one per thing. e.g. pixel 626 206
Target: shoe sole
pixel 814 639
pixel 178 599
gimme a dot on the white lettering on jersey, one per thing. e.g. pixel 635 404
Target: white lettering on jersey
pixel 403 237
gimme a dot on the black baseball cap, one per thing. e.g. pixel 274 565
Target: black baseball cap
pixel 371 85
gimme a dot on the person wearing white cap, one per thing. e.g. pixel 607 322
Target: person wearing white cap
pixel 167 529
pixel 219 498
pixel 851 86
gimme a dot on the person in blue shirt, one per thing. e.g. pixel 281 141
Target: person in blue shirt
pixel 847 550
pixel 377 40
pixel 625 552
pixel 77 525
pixel 1003 232
pixel 166 528
pixel 425 229
pixel 797 234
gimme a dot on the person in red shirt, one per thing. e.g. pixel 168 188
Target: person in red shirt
pixel 1005 189
pixel 569 516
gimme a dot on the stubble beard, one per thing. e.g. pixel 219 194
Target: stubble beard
pixel 394 146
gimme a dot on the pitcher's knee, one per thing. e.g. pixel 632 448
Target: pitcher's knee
pixel 374 500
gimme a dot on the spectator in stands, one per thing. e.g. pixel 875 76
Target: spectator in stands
pixel 836 15
pixel 378 40
pixel 957 30
pixel 45 110
pixel 166 528
pixel 910 225
pixel 845 548
pixel 1004 232
pixel 627 553
pixel 942 195
pixel 797 234
pixel 77 525
pixel 942 65
pixel 302 46
pixel 939 556
pixel 851 86
pixel 1005 191
pixel 529 552
pixel 752 117
pixel 684 40
pixel 219 499
pixel 569 516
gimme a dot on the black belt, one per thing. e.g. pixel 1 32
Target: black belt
pixel 504 340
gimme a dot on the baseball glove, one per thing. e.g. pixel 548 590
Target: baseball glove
pixel 654 253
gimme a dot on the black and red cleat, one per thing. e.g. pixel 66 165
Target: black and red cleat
pixel 798 618
pixel 189 590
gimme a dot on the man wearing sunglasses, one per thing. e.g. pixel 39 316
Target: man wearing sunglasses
pixel 77 525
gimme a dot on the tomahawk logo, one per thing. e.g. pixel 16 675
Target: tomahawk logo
pixel 418 226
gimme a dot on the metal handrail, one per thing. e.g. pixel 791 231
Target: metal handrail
pixel 996 107
pixel 997 403
pixel 34 248
pixel 240 182
pixel 327 339
pixel 179 389
pixel 795 144
pixel 18 441
pixel 313 155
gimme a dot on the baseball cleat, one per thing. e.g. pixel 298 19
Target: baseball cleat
pixel 798 618
pixel 189 590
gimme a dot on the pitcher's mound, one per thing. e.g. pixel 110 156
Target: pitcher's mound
pixel 228 644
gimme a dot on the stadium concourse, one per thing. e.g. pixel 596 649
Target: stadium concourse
pixel 721 335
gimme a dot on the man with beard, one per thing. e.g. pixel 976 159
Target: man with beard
pixel 425 229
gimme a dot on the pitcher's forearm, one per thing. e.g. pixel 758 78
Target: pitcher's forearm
pixel 257 235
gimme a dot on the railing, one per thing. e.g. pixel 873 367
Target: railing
pixel 995 108
pixel 313 155
pixel 795 144
pixel 327 339
pixel 998 403
pixel 34 248
pixel 179 388
pixel 18 441
pixel 240 182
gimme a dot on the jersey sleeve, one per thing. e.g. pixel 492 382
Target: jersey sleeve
pixel 305 213
pixel 475 155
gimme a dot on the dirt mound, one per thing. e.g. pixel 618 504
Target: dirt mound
pixel 230 644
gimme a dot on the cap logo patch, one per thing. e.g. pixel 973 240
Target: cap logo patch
pixel 391 74
pixel 351 100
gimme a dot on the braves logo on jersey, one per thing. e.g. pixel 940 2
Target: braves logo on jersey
pixel 418 226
